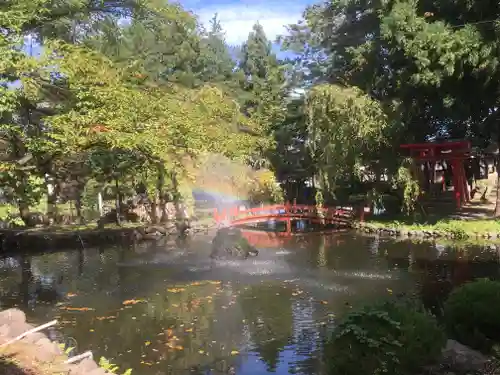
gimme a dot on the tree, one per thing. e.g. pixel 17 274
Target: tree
pixel 423 60
pixel 218 64
pixel 346 130
pixel 263 88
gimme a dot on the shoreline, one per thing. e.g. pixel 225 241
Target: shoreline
pixel 58 238
pixel 429 232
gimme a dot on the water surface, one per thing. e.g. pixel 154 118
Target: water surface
pixel 170 309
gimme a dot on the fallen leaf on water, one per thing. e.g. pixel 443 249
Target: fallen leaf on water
pixel 324 302
pixel 189 330
pixel 175 305
pixel 234 352
pixel 201 351
pixel 91 330
pixel 77 308
pixel 132 301
pixel 147 343
pixel 214 282
pixel 224 307
pixel 134 318
pixel 179 347
pixel 389 291
pixel 70 295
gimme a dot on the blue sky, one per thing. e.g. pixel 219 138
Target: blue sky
pixel 238 16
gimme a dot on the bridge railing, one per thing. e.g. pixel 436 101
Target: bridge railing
pixel 285 210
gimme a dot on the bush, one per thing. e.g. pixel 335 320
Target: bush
pixel 389 338
pixel 471 314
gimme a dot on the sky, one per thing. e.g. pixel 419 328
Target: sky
pixel 238 16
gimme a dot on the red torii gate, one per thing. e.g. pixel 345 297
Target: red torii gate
pixel 453 152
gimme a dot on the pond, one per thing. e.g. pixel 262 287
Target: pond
pixel 169 309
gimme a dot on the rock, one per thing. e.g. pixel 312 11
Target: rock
pixel 156 228
pixel 19 328
pixel 152 236
pixel 45 352
pixel 461 358
pixel 12 315
pixel 98 371
pixel 84 367
pixel 34 337
pixel 4 333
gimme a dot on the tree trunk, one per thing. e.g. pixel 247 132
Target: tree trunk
pixel 24 211
pixel 179 214
pixel 117 203
pixel 78 204
pixel 161 194
pixel 154 210
pixel 497 204
pixel 51 197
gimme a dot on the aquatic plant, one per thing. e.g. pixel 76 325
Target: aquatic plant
pixel 385 338
pixel 471 314
pixel 108 366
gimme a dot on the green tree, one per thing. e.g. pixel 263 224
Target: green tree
pixel 346 130
pixel 423 60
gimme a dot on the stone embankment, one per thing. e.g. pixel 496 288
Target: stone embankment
pixel 420 234
pixel 35 353
pixel 50 240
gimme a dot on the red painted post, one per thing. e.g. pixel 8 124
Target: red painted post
pixel 289 226
pixel 457 183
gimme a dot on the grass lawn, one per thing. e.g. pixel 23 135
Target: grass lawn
pixel 469 227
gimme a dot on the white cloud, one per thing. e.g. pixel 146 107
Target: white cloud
pixel 237 20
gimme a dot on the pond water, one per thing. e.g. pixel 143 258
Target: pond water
pixel 169 309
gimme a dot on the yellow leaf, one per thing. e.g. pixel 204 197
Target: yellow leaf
pixel 201 351
pixel 234 352
pixel 147 343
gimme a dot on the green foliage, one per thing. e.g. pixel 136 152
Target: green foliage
pixel 108 366
pixel 265 189
pixel 411 188
pixel 388 338
pixel 470 314
pixel 345 128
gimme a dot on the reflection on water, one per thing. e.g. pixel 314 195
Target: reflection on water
pixel 171 309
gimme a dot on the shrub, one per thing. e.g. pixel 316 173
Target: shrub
pixel 389 338
pixel 471 314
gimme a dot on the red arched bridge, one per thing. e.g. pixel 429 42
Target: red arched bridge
pixel 233 216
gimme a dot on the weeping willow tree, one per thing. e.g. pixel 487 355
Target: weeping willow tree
pixel 350 137
pixel 345 129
